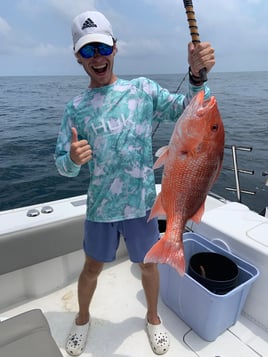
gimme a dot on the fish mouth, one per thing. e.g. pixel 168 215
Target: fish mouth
pixel 201 102
pixel 206 105
pixel 210 101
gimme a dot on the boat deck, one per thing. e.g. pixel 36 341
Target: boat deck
pixel 118 328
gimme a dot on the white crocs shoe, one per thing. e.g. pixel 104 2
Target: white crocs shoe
pixel 158 338
pixel 77 339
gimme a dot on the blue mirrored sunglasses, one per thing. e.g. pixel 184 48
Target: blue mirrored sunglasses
pixel 89 50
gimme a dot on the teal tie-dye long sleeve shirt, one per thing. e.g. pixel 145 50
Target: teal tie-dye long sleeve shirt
pixel 117 120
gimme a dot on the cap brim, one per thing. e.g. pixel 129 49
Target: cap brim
pixel 89 38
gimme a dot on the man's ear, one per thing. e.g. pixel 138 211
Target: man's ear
pixel 115 50
pixel 77 59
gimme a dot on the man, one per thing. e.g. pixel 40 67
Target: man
pixel 109 127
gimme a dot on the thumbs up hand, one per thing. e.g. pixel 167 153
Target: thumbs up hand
pixel 80 151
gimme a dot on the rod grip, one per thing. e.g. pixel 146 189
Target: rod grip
pixel 192 23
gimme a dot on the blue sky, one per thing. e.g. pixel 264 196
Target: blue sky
pixel 35 35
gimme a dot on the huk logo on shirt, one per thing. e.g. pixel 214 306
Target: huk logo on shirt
pixel 88 23
pixel 112 126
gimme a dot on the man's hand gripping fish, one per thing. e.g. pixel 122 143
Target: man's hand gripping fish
pixel 192 162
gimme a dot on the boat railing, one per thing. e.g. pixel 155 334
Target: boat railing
pixel 237 171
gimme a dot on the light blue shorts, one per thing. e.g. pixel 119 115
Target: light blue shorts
pixel 101 240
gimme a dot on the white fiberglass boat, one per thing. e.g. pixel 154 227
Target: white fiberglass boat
pixel 41 257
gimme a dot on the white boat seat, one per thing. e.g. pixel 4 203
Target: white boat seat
pixel 32 245
pixel 27 335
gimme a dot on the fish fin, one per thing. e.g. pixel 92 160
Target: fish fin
pixel 167 252
pixel 157 209
pixel 161 151
pixel 162 154
pixel 198 215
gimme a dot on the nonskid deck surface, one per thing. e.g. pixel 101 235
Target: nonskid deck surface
pixel 118 321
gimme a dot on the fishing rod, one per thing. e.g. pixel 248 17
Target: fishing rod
pixel 194 31
pixel 195 39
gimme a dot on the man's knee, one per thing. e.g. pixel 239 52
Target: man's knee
pixel 148 268
pixel 92 267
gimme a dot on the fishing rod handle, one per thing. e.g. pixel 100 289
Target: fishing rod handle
pixel 194 32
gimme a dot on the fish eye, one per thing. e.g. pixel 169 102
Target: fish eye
pixel 214 127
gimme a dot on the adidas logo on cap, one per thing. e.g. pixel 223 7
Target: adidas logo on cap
pixel 88 23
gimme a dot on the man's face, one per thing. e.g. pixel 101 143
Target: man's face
pixel 99 67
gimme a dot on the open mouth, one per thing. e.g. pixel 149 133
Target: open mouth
pixel 100 69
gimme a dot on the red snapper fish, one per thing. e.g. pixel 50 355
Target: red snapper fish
pixel 192 162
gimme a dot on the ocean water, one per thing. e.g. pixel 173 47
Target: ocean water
pixel 31 109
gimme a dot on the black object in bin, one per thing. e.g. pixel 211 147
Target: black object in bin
pixel 214 271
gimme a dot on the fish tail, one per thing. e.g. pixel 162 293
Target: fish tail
pixel 167 252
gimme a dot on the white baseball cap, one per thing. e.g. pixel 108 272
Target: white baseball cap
pixel 91 26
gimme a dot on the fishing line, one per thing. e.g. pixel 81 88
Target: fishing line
pixel 178 88
pixel 180 84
